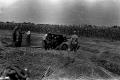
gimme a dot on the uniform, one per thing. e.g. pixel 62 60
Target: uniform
pixel 19 42
pixel 48 41
pixel 28 38
pixel 74 42
pixel 14 35
pixel 44 41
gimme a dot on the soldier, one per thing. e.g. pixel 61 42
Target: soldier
pixel 74 42
pixel 28 38
pixel 14 35
pixel 49 40
pixel 19 42
pixel 44 41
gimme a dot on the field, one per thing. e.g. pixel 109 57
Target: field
pixel 95 59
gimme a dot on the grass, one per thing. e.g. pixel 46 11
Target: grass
pixel 64 65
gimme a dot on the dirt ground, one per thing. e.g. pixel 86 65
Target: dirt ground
pixel 85 64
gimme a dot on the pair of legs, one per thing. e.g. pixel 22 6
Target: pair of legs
pixel 73 47
pixel 18 43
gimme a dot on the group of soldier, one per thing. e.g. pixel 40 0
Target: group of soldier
pixel 17 73
pixel 18 37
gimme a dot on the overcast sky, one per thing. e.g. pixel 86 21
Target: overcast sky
pixel 98 12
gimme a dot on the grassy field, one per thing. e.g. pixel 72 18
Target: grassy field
pixel 96 59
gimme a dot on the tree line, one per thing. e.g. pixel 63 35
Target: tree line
pixel 106 32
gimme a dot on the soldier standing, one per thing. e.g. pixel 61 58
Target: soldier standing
pixel 44 41
pixel 49 40
pixel 19 42
pixel 74 42
pixel 28 38
pixel 14 35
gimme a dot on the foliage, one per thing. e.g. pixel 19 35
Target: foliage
pixel 106 32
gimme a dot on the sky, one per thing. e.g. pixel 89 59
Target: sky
pixel 95 12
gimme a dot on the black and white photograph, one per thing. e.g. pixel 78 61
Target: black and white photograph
pixel 59 39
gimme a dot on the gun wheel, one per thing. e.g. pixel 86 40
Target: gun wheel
pixel 64 47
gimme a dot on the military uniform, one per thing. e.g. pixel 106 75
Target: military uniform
pixel 28 38
pixel 14 35
pixel 19 42
pixel 74 42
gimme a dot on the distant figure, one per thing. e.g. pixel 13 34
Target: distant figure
pixel 48 41
pixel 28 38
pixel 19 41
pixel 45 45
pixel 49 36
pixel 74 42
pixel 14 35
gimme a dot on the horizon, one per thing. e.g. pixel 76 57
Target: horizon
pixel 59 24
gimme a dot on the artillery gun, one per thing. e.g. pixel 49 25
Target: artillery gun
pixel 56 41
